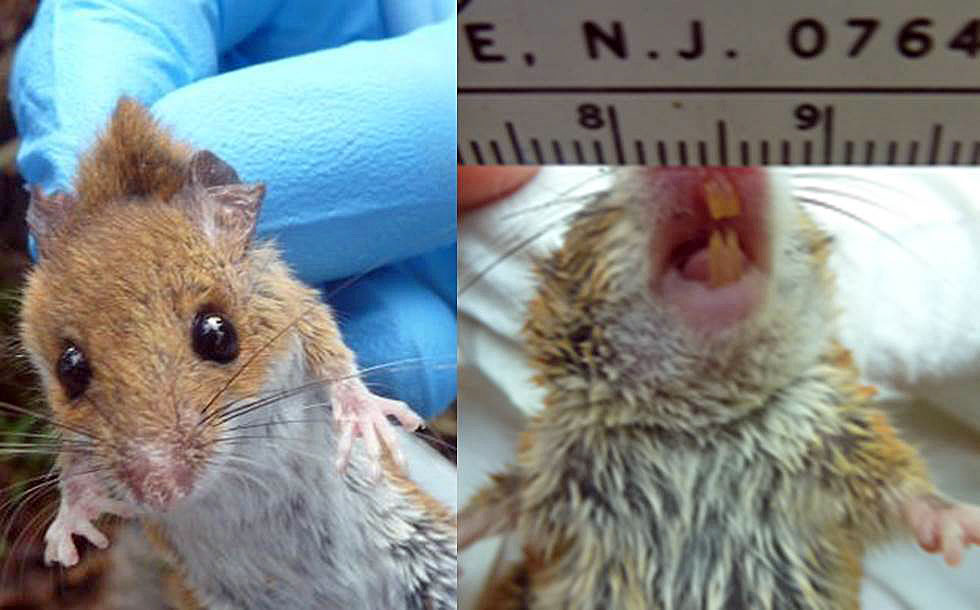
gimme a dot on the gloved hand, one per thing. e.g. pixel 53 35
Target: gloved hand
pixel 345 109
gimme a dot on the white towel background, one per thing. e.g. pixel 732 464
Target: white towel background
pixel 909 287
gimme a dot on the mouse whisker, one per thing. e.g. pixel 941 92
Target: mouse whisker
pixel 49 420
pixel 25 499
pixel 22 497
pixel 316 457
pixel 254 355
pixel 563 197
pixel 243 473
pixel 822 190
pixel 838 210
pixel 334 291
pixel 477 276
pixel 34 530
pixel 109 420
pixel 272 423
pixel 225 414
pixel 546 228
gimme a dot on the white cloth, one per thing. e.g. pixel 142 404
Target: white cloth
pixel 909 288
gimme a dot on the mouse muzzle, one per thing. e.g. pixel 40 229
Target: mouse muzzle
pixel 157 476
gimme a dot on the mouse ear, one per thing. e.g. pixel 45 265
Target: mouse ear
pixel 233 209
pixel 46 215
pixel 225 208
pixel 207 169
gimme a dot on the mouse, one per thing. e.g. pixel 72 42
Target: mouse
pixel 198 387
pixel 704 438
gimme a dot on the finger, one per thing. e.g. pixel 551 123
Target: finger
pixel 478 186
pixel 67 554
pixel 952 535
pixel 420 331
pixel 405 416
pixel 408 195
pixel 86 529
pixel 970 522
pixel 384 429
pixel 374 453
pixel 344 444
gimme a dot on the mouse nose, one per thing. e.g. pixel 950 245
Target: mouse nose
pixel 157 478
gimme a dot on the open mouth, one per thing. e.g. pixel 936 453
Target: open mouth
pixel 711 252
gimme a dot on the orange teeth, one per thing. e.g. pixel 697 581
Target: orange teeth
pixel 722 199
pixel 724 255
pixel 724 258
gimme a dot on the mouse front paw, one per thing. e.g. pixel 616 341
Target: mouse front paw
pixel 75 518
pixel 359 413
pixel 942 526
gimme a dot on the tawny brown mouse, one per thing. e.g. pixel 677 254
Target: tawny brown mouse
pixel 193 379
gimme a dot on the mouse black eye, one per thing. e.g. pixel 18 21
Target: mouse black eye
pixel 73 371
pixel 214 338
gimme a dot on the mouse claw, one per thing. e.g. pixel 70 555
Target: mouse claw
pixel 360 413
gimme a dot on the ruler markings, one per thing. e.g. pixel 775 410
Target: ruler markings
pixel 536 146
pixel 682 151
pixel 459 157
pixel 475 146
pixel 764 151
pixel 937 134
pixel 807 152
pixel 869 152
pixel 828 135
pixel 662 152
pixel 512 133
pixel 496 152
pixel 913 152
pixel 892 152
pixel 722 143
pixel 975 155
pixel 702 152
pixel 641 154
pixel 743 150
pixel 954 153
pixel 599 157
pixel 578 152
pixel 559 157
pixel 848 152
pixel 617 140
pixel 787 152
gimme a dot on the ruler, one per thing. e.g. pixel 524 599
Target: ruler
pixel 747 82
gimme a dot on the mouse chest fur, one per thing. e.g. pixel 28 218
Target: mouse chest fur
pixel 668 521
pixel 280 527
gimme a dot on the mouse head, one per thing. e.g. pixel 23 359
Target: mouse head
pixel 688 291
pixel 145 303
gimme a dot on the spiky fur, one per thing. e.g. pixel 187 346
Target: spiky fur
pixel 676 471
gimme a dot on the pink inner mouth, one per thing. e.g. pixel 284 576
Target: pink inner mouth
pixel 680 253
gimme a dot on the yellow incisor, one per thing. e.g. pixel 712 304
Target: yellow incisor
pixel 722 199
pixel 724 258
pixel 724 255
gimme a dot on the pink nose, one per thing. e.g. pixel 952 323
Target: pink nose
pixel 157 482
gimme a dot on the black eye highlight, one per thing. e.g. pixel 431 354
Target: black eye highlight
pixel 214 338
pixel 74 372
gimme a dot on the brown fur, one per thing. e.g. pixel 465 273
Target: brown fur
pixel 125 267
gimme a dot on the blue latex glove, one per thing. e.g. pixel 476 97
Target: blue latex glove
pixel 346 110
